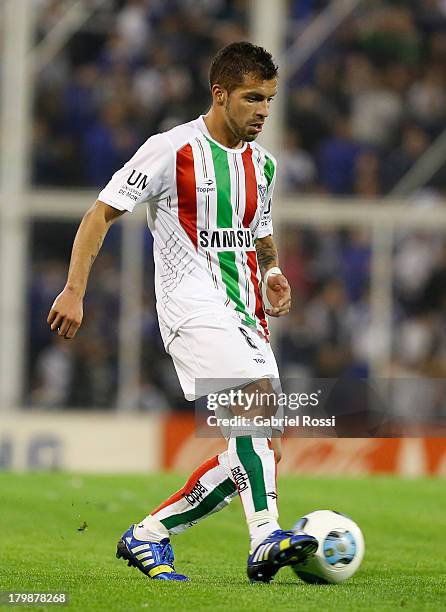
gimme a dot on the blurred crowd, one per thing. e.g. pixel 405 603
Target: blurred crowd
pixel 359 114
pixel 362 109
pixel 329 334
pixel 137 67
pixel 371 99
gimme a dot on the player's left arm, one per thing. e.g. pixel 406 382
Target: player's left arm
pixel 278 292
pixel 277 288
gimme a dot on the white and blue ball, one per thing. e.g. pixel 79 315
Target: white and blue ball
pixel 340 551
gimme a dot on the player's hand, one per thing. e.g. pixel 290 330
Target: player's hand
pixel 278 292
pixel 66 314
pixel 276 445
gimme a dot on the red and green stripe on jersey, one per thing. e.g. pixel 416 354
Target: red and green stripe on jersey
pixel 251 191
pixel 233 205
pixel 187 193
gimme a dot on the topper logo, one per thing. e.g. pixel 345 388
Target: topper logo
pixel 206 186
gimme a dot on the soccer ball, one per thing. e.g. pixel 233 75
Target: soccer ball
pixel 341 547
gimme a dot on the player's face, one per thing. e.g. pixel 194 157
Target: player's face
pixel 247 107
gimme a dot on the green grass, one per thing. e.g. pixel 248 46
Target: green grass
pixel 42 550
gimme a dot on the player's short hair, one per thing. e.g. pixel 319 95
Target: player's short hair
pixel 233 62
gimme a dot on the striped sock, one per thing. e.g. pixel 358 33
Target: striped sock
pixel 208 490
pixel 253 468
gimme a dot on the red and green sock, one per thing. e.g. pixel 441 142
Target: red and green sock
pixel 248 468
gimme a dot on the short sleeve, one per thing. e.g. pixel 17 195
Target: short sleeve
pixel 144 177
pixel 265 226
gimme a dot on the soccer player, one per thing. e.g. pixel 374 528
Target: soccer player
pixel 208 189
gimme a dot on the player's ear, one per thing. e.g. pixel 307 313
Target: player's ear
pixel 219 94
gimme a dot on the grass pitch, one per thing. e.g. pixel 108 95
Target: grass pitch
pixel 59 531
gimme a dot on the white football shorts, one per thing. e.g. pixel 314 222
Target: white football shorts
pixel 215 351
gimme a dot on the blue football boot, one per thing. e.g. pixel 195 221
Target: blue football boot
pixel 280 548
pixel 154 559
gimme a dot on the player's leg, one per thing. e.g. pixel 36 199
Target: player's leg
pixel 146 545
pixel 253 467
pixel 252 463
pixel 208 490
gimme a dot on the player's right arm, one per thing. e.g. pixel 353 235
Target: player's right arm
pixel 143 177
pixel 66 312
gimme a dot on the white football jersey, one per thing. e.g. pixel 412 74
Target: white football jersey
pixel 206 206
